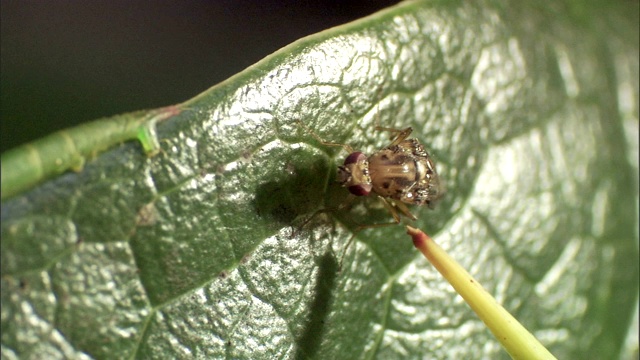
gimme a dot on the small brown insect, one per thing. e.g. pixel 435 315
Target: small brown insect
pixel 402 172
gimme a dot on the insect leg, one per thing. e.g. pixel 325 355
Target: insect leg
pixel 396 220
pixel 402 208
pixel 348 148
pixel 358 230
pixel 389 207
pixel 400 134
pixel 343 205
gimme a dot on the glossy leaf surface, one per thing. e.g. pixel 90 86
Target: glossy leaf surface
pixel 531 114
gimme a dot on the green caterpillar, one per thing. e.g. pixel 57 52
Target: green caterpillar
pixel 28 165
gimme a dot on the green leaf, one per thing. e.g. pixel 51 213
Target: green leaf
pixel 530 112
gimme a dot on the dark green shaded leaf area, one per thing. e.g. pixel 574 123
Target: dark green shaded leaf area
pixel 209 249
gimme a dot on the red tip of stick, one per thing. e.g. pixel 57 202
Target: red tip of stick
pixel 417 236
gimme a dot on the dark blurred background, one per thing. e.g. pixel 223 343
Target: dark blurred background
pixel 68 62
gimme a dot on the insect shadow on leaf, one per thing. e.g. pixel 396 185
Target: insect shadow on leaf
pixel 309 340
pixel 298 193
